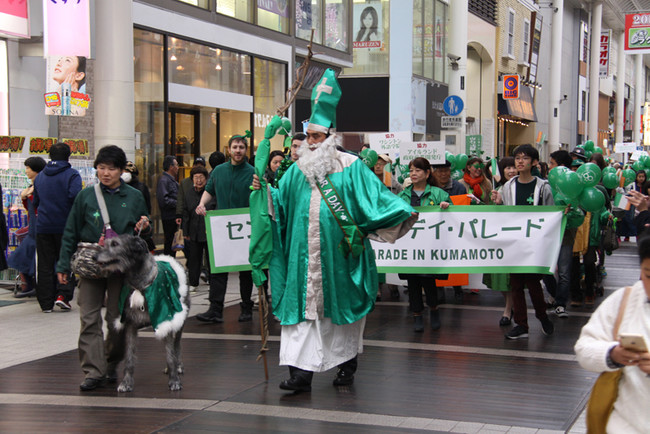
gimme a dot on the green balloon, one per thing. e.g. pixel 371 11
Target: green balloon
pixel 461 161
pixel 562 200
pixel 644 159
pixel 592 199
pixel 588 154
pixel 589 145
pixel 569 184
pixel 457 174
pixel 285 130
pixel 452 159
pixel 609 169
pixel 647 162
pixel 589 174
pixel 629 175
pixel 369 157
pixel 598 150
pixel 610 180
pixel 555 174
pixel 638 165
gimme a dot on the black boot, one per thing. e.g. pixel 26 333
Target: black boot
pixel 211 315
pixel 300 380
pixel 434 317
pixel 246 312
pixel 418 323
pixel 345 374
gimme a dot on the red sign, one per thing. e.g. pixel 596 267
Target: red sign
pixel 510 86
pixel 637 33
pixel 14 18
pixel 605 38
pixel 11 143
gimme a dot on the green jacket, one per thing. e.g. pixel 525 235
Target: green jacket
pixel 431 196
pixel 230 185
pixel 85 219
pixel 597 220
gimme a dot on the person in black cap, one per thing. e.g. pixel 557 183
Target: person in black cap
pixel 442 179
pixel 579 154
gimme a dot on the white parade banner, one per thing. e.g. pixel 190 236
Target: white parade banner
pixel 388 143
pixel 460 239
pixel 432 151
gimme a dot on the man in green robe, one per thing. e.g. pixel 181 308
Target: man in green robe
pixel 323 273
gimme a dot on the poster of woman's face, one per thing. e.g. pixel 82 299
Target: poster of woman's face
pixel 66 86
pixel 367 25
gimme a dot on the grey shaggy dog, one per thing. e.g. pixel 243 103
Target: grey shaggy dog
pixel 129 255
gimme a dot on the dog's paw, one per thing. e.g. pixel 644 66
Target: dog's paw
pixel 125 386
pixel 175 385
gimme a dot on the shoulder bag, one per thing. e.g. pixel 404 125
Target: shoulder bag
pixel 82 262
pixel 605 390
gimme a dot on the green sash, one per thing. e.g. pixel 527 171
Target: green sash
pixel 352 236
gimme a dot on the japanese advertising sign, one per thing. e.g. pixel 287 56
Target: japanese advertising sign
pixel 510 86
pixel 474 144
pixel 605 50
pixel 388 143
pixel 461 239
pixel 11 143
pixel 368 25
pixel 78 147
pixel 432 151
pixel 66 86
pixel 637 33
pixel 41 145
pixel 66 28
pixel 14 18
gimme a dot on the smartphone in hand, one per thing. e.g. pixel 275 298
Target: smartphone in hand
pixel 633 342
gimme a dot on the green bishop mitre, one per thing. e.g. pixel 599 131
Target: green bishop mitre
pixel 325 97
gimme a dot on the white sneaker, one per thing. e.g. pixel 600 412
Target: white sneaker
pixel 193 288
pixel 561 312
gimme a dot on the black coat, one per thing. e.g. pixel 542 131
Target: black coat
pixel 193 225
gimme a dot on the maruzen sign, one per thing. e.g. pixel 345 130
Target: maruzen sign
pixel 637 33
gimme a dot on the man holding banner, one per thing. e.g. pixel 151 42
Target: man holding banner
pixel 323 273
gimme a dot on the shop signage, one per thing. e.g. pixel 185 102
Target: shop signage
pixel 461 239
pixel 66 86
pixel 474 144
pixel 66 28
pixel 432 151
pixel 11 143
pixel 451 122
pixel 453 105
pixel 41 145
pixel 14 18
pixel 278 7
pixel 510 86
pixel 624 147
pixel 78 147
pixel 637 33
pixel 605 50
pixel 367 31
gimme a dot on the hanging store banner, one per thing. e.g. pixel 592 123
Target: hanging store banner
pixel 11 143
pixel 78 147
pixel 66 28
pixel 66 86
pixel 460 239
pixel 637 33
pixel 368 25
pixel 605 52
pixel 432 151
pixel 14 18
pixel 41 145
pixel 278 7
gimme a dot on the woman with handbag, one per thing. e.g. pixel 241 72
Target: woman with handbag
pixel 23 259
pixel 619 399
pixel 112 208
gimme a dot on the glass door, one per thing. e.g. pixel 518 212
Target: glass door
pixel 184 137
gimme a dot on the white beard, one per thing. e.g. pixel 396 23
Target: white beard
pixel 316 164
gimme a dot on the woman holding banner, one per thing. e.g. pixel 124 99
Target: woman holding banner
pixel 421 192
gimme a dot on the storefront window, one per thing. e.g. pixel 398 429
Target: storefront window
pixel 268 93
pixel 205 4
pixel 336 24
pixel 240 9
pixel 308 16
pixel 430 39
pixel 148 50
pixel 370 36
pixel 198 65
pixel 208 125
pixel 273 14
pixel 232 122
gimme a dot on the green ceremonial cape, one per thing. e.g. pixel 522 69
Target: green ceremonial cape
pixel 349 284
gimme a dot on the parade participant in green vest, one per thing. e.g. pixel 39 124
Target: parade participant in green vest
pixel 323 273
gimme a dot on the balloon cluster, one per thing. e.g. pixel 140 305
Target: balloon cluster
pixel 458 163
pixel 590 148
pixel 578 188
